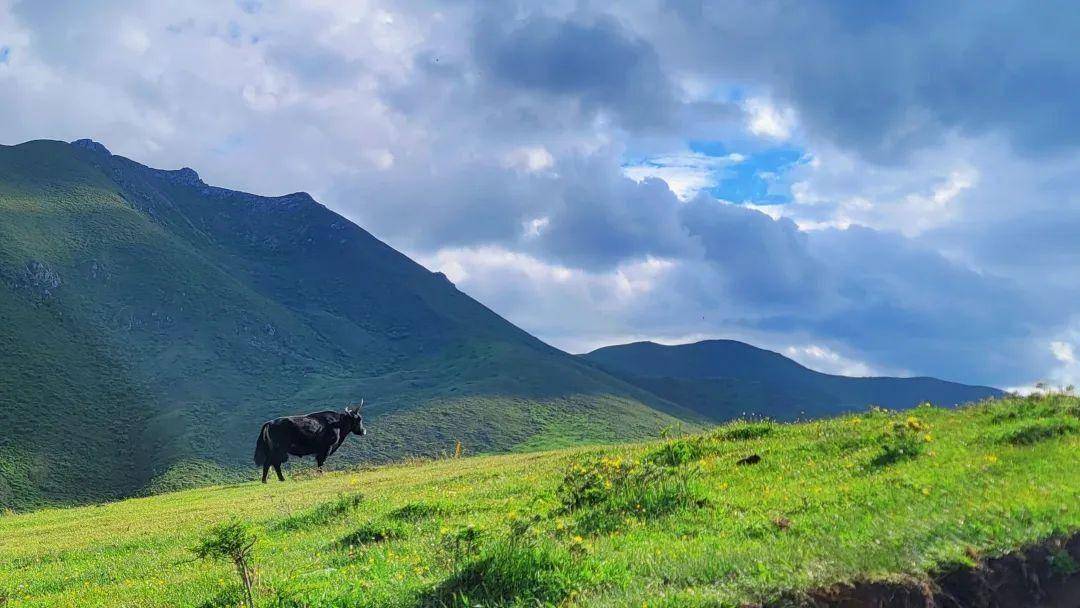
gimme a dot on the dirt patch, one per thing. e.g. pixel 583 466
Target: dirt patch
pixel 1043 576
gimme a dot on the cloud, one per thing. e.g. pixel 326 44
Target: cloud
pixel 893 185
pixel 593 61
pixel 1063 351
pixel 824 359
pixel 765 119
pixel 887 80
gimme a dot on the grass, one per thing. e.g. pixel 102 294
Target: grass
pixel 680 525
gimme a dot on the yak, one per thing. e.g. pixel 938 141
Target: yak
pixel 318 433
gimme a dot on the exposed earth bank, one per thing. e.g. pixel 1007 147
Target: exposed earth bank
pixel 1046 575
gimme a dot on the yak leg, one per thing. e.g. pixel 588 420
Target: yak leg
pixel 277 469
pixel 266 470
pixel 320 458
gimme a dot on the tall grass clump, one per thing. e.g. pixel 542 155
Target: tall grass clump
pixel 373 532
pixel 902 440
pixel 605 493
pixel 320 514
pixel 1032 432
pixel 521 567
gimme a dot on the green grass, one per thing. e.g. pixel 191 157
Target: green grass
pixel 664 523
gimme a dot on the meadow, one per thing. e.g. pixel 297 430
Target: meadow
pixel 752 512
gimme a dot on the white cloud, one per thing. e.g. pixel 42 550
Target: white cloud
pixel 1063 352
pixel 823 359
pixel 839 190
pixel 532 228
pixel 134 38
pixel 381 158
pixel 767 120
pixel 686 173
pixel 530 159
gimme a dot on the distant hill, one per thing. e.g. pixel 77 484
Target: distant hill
pixel 150 322
pixel 724 379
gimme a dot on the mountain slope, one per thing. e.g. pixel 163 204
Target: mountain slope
pixel 724 379
pixel 149 322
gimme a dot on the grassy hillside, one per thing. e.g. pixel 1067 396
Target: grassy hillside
pixel 874 496
pixel 725 379
pixel 149 323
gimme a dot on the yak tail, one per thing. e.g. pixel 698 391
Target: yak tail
pixel 263 445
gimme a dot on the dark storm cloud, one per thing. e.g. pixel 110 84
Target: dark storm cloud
pixel 888 78
pixel 763 260
pixel 906 305
pixel 592 60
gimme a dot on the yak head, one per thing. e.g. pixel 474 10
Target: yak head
pixel 356 417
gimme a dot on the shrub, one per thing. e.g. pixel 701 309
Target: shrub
pixel 231 541
pixel 521 567
pixel 604 493
pixel 902 440
pixel 322 513
pixel 679 452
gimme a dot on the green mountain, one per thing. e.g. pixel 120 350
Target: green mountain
pixel 149 323
pixel 725 379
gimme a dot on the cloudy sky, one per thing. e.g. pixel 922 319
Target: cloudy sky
pixel 869 190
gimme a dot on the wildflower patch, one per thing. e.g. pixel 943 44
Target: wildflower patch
pixel 609 492
pixel 902 440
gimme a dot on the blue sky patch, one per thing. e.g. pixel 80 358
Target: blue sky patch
pixel 5 54
pixel 758 177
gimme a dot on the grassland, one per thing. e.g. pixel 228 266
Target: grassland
pixel 874 496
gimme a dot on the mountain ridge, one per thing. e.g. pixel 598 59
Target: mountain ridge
pixel 193 313
pixel 727 378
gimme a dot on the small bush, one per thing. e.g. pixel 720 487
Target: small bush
pixel 604 493
pixel 231 541
pixel 519 568
pixel 321 514
pixel 902 440
pixel 679 452
pixel 1040 430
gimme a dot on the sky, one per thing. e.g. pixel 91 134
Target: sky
pixel 869 188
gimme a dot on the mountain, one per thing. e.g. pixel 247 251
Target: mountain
pixel 150 322
pixel 725 379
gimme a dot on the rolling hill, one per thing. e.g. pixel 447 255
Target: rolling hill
pixel 982 512
pixel 150 322
pixel 725 379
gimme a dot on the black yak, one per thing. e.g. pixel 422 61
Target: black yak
pixel 320 433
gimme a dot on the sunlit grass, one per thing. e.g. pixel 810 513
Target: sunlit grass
pixel 681 523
